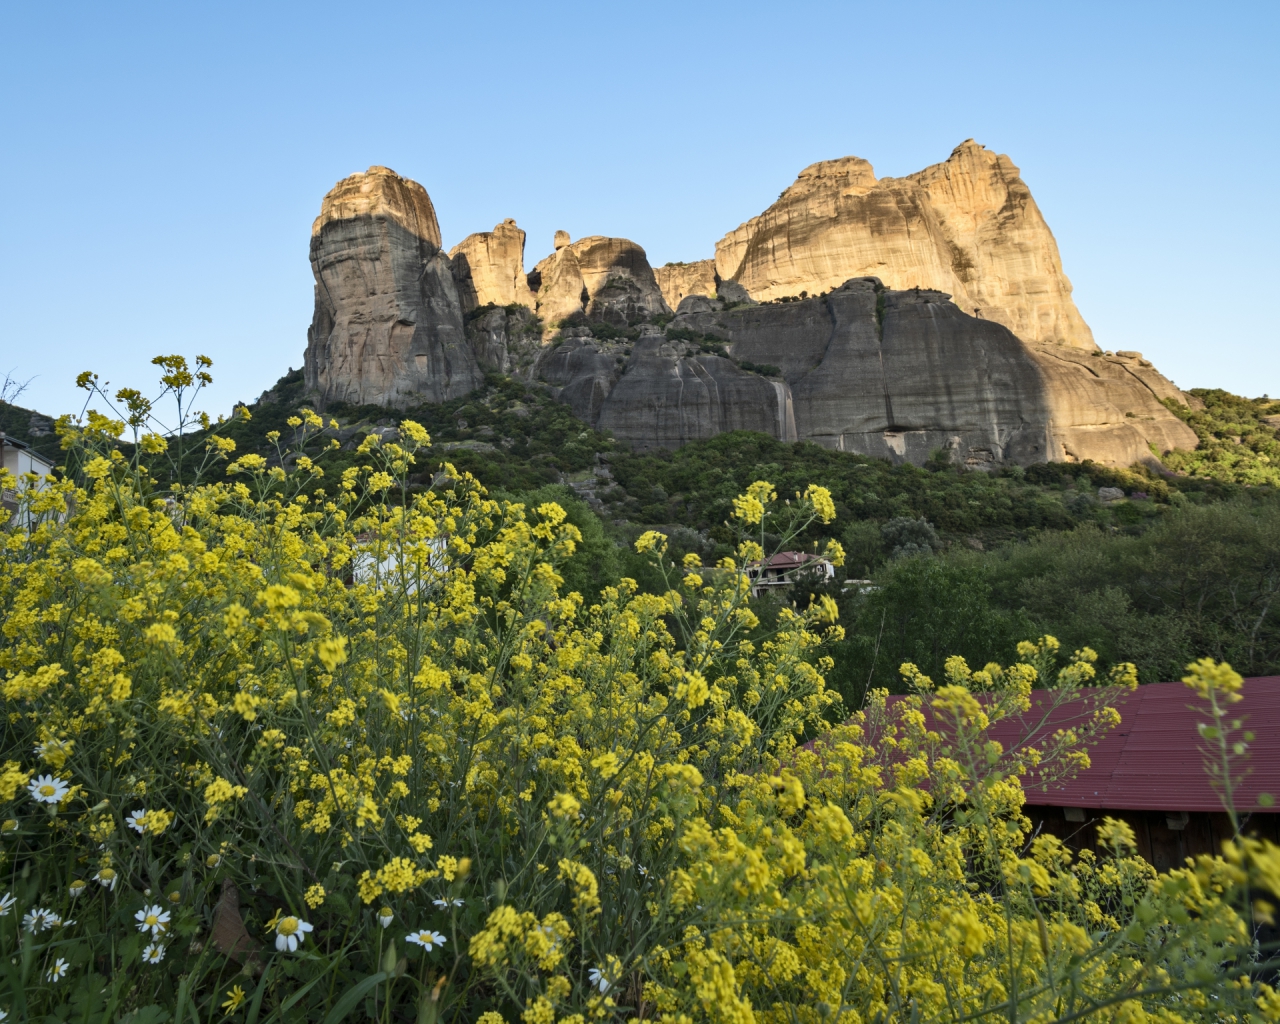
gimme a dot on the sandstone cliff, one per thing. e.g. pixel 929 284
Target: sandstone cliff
pixel 967 226
pixel 489 268
pixel 605 279
pixel 680 280
pixel 661 393
pixel 388 326
pixel 895 374
pixel 891 372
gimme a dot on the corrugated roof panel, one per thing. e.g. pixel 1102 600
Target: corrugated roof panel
pixel 1152 760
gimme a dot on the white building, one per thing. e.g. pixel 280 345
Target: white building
pixel 19 459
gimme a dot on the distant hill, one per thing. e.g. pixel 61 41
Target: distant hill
pixel 33 428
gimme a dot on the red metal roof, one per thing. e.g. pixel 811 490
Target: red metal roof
pixel 1152 760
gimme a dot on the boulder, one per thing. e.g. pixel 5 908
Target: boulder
pixel 894 374
pixel 968 227
pixel 388 325
pixel 489 268
pixel 678 280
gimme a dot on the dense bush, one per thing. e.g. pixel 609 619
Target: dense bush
pixel 307 757
pixel 1203 581
pixel 1236 443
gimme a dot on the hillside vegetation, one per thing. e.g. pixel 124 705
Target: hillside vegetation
pixel 1239 440
pixel 1183 565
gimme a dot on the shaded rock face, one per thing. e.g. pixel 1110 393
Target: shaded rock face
pixel 679 280
pixel 605 279
pixel 967 226
pixel 505 340
pixel 893 374
pixel 388 326
pixel 900 374
pixel 664 393
pixel 489 268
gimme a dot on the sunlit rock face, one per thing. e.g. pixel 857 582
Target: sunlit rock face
pixel 968 227
pixel 388 322
pixel 1005 373
pixel 678 281
pixel 603 279
pixel 489 268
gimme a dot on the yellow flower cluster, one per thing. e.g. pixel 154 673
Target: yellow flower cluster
pixel 607 806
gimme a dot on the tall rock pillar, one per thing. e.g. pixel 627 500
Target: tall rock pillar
pixel 387 328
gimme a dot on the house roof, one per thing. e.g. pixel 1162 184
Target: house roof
pixel 1152 760
pixel 6 441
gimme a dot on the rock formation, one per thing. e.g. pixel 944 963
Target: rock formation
pixel 664 393
pixel 895 374
pixel 388 327
pixel 1009 375
pixel 679 280
pixel 489 268
pixel 605 279
pixel 968 227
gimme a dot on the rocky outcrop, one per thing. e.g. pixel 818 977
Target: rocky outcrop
pixel 660 393
pixel 506 339
pixel 679 280
pixel 899 374
pixel 890 373
pixel 968 227
pixel 604 279
pixel 388 326
pixel 558 288
pixel 489 268
pixel 857 366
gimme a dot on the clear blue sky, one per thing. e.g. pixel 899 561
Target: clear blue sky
pixel 164 162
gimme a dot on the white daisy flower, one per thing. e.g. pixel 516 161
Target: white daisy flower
pixel 426 939
pixel 47 790
pixel 4 1015
pixel 58 970
pixel 597 978
pixel 77 887
pixel 385 917
pixel 6 903
pixel 134 820
pixel 107 878
pixel 40 920
pixel 153 919
pixel 447 901
pixel 154 953
pixel 290 933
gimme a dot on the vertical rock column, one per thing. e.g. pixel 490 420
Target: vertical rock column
pixel 388 326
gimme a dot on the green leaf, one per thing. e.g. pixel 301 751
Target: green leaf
pixel 146 1015
pixel 255 1006
pixel 293 999
pixel 348 1002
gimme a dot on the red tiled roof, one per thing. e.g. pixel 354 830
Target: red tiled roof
pixel 1152 760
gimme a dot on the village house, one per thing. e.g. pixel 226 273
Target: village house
pixel 783 569
pixel 19 459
